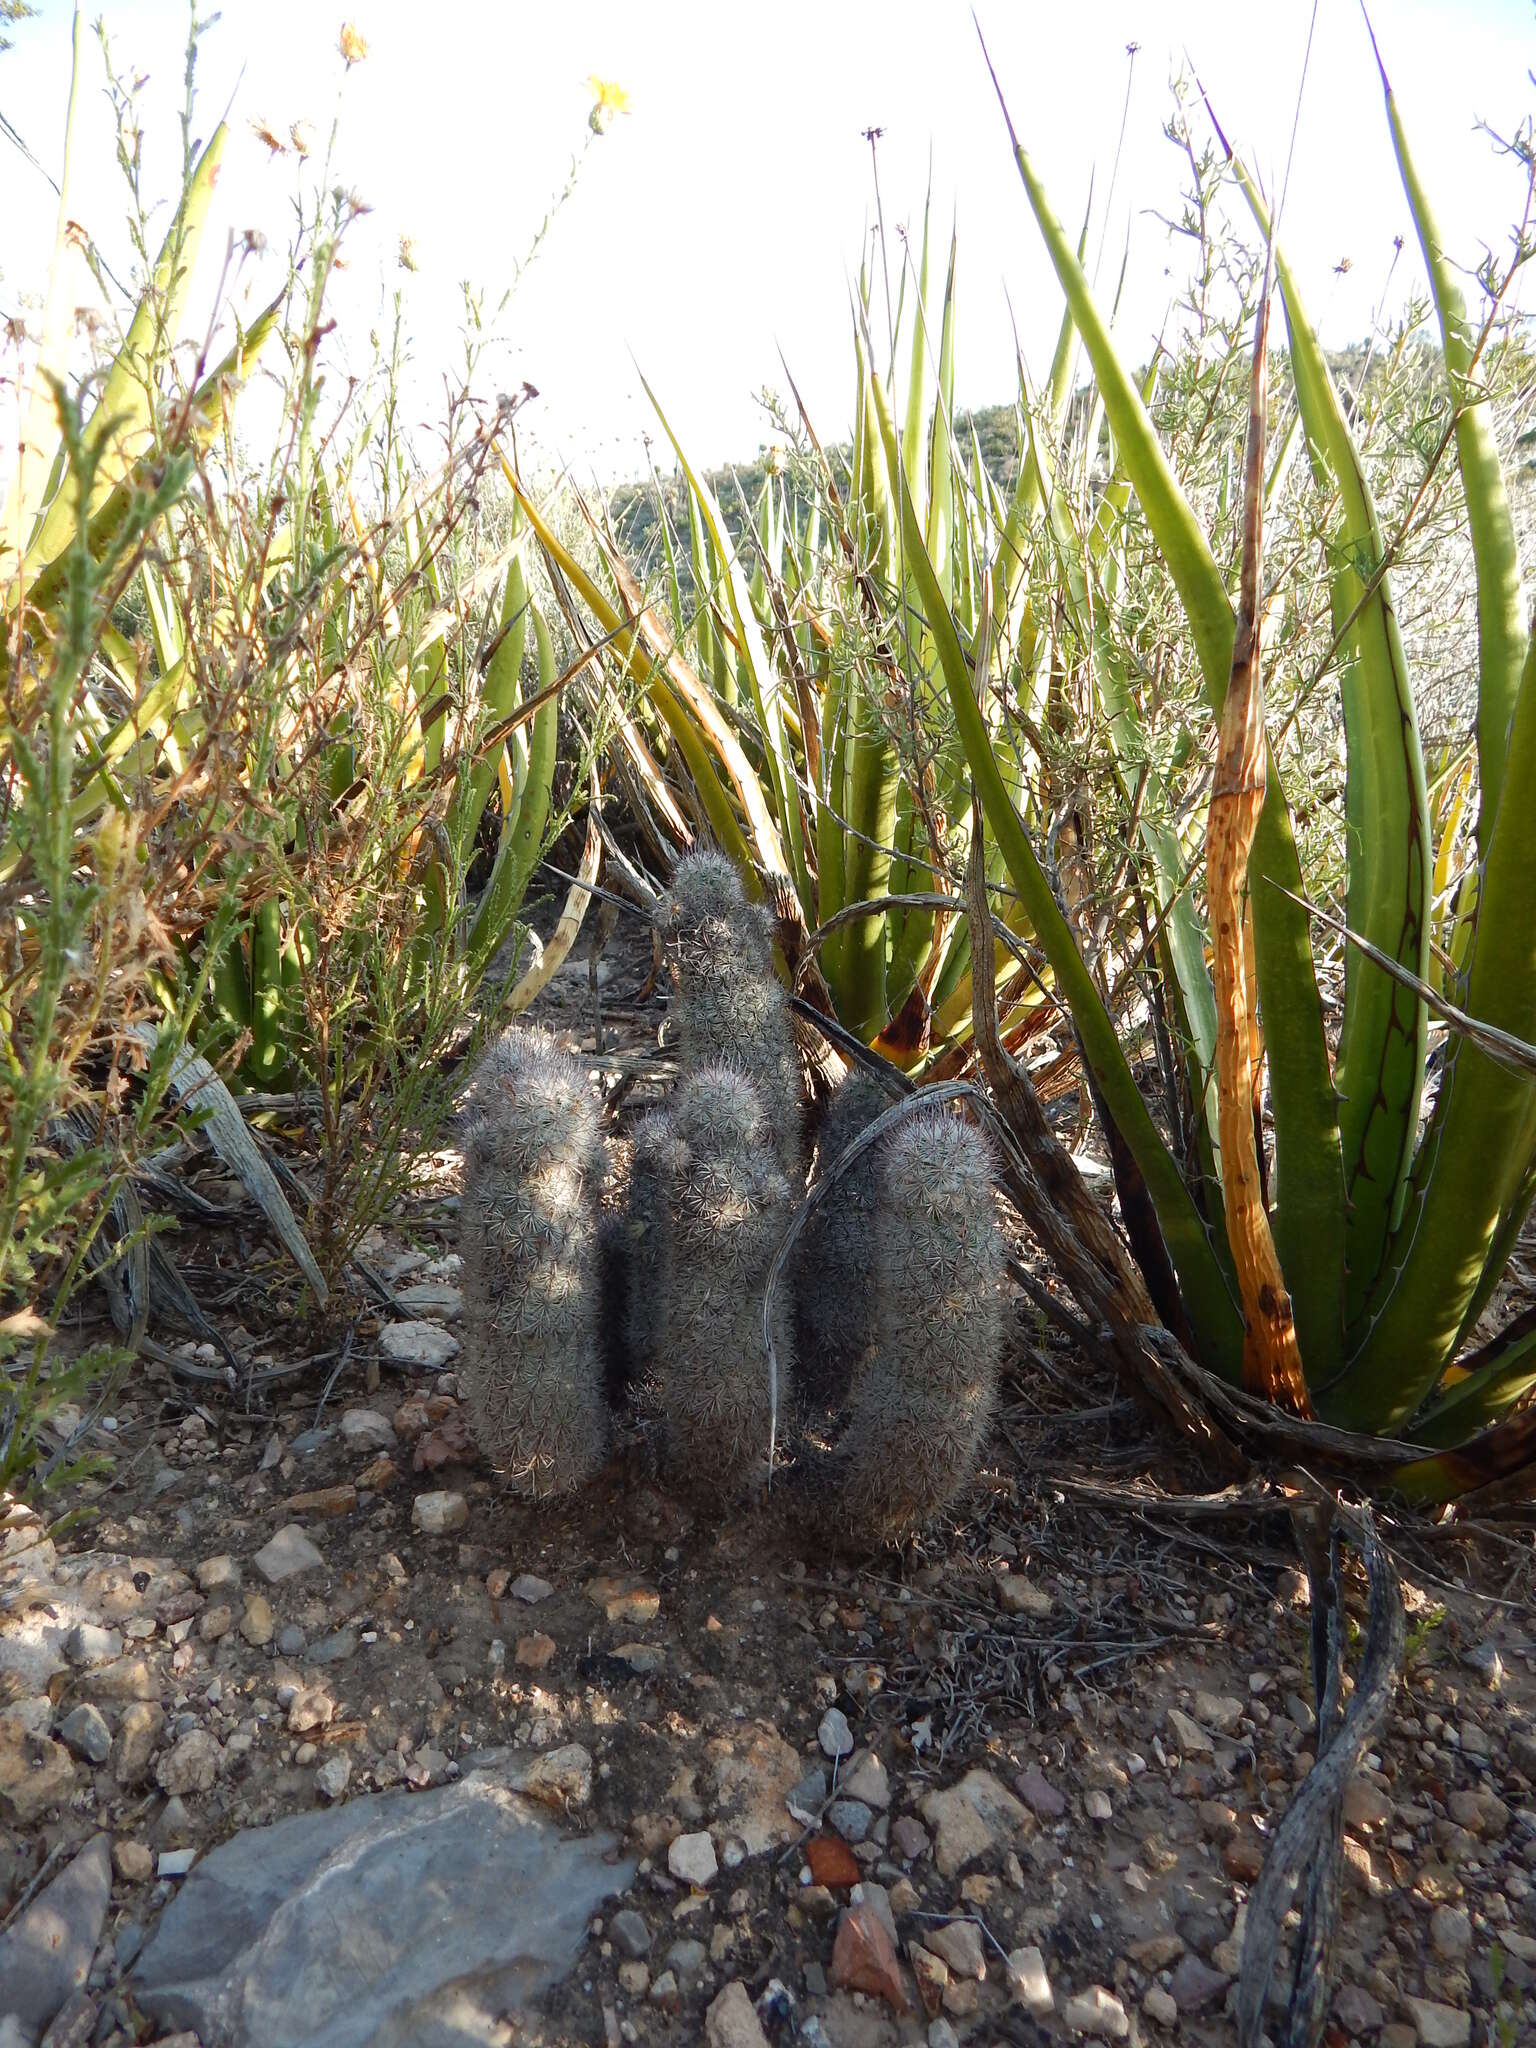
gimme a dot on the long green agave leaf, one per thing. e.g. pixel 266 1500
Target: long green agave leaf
pixel 1501 624
pixel 522 833
pixel 1475 1164
pixel 1380 1067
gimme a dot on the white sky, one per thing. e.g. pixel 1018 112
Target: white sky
pixel 721 219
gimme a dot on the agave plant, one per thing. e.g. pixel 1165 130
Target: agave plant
pixel 1338 1264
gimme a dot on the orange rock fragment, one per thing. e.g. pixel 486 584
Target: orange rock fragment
pixel 864 1958
pixel 832 1862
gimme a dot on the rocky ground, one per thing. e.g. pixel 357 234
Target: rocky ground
pixel 698 1780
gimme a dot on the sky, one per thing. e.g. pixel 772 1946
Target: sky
pixel 723 218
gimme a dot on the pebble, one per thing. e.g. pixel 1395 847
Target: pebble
pixel 435 1514
pixel 214 1623
pixel 1097 2012
pixel 132 1861
pixel 1366 1805
pixel 942 2035
pixel 88 1644
pixel 1450 1933
pixel 534 1651
pixel 530 1589
pixel 864 1958
pixel 1485 1660
pixel 868 1780
pixel 687 1958
pixel 634 1978
pixel 35 1774
pixel 425 1347
pixel 1039 1795
pixel 258 1624
pixel 627 1931
pixel 1188 1736
pixel 731 2021
pixel 291 1640
pixel 335 1648
pixel 85 1734
pixel 559 1778
pixel 644 1659
pixel 851 1818
pixel 1028 1983
pixel 1480 1812
pixel 1356 2011
pixel 289 1553
pixel 1018 1595
pixel 959 1943
pixel 1160 2008
pixel 191 1766
pixel 310 1708
pixel 175 1862
pixel 432 1298
pixel 932 1976
pixel 806 1799
pixel 1218 1711
pixel 1097 1806
pixel 624 1599
pixel 832 1863
pixel 332 1776
pixel 1437 2025
pixel 365 1429
pixel 218 1574
pixel 691 1859
pixel 909 1838
pixel 969 1819
pixel 834 1734
pixel 1195 1986
pixel 138 1732
pixel 664 1992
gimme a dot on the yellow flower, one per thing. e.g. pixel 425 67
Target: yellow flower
pixel 302 136
pixel 354 46
pixel 608 99
pixel 407 253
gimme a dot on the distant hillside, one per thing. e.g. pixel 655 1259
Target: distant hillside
pixel 636 507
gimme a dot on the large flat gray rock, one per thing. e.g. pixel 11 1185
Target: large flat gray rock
pixel 46 1952
pixel 400 1921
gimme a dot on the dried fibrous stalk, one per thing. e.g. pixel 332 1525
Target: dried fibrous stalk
pixel 528 1228
pixel 726 1205
pixel 731 1006
pixel 1271 1355
pixel 834 1263
pixel 923 1394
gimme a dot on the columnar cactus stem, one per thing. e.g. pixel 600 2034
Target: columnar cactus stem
pixel 834 1261
pixel 533 1167
pixel 923 1393
pixel 731 1006
pixel 728 1207
pixel 656 1158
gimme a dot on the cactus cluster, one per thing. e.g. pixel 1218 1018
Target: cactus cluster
pixel 888 1323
